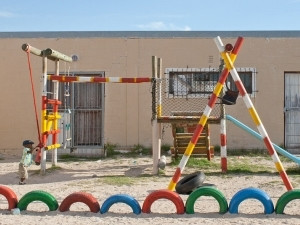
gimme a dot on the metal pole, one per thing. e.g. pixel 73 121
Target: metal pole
pixel 259 137
pixel 44 123
pixel 55 96
pixel 155 133
pixel 223 136
pixel 158 110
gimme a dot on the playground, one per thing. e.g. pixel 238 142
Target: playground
pixel 134 189
pixel 134 174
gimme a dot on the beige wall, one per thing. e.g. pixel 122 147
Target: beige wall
pixel 128 106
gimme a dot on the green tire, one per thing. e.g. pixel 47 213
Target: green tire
pixel 38 195
pixel 206 191
pixel 285 199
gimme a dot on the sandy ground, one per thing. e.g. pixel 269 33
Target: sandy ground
pixel 95 177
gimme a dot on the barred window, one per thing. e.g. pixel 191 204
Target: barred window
pixel 192 82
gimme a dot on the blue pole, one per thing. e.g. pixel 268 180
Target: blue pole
pixel 258 136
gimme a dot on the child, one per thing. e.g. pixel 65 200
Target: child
pixel 26 160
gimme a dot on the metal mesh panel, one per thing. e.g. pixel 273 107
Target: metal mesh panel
pixel 187 92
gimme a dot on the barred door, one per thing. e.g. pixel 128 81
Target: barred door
pixel 81 125
pixel 87 114
pixel 292 112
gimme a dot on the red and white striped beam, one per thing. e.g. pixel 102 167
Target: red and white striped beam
pixel 84 79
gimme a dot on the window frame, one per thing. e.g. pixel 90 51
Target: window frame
pixel 244 70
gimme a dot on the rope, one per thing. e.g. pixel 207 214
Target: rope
pixel 33 95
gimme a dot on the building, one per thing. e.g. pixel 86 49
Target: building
pixel 121 113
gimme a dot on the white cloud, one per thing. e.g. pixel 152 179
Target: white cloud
pixel 4 14
pixel 162 26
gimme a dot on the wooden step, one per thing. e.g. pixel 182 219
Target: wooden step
pixel 185 144
pixel 183 133
pixel 197 152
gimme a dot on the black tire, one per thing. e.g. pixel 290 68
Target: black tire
pixel 190 182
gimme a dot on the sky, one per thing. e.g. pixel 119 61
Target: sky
pixel 149 15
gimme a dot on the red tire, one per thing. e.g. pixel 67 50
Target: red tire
pixel 172 196
pixel 10 196
pixel 83 197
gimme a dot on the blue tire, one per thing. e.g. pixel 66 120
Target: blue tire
pixel 121 198
pixel 251 193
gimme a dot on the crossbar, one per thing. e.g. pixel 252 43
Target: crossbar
pixel 50 53
pixel 84 79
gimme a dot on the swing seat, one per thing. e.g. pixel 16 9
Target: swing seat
pixel 230 97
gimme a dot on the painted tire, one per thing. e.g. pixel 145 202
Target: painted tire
pixel 166 194
pixel 10 196
pixel 285 199
pixel 190 182
pixel 254 193
pixel 206 191
pixel 42 196
pixel 133 203
pixel 83 197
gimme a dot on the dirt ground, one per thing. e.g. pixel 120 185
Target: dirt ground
pixel 100 179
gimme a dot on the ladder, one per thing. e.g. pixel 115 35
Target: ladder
pixel 182 134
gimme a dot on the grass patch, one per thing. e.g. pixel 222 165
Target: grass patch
pixel 200 163
pixel 137 151
pixel 235 166
pixel 110 150
pixel 118 180
pixel 248 152
pixel 247 168
pixel 250 165
pixel 293 170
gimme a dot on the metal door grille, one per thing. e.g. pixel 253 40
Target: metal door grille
pixel 292 112
pixel 82 114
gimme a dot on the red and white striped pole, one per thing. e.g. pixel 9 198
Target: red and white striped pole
pixel 203 119
pixel 253 113
pixel 223 150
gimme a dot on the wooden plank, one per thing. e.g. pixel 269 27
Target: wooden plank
pixel 198 152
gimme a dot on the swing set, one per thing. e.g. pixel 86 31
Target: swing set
pixel 49 118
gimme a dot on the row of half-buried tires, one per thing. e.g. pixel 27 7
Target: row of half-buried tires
pixel 188 208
